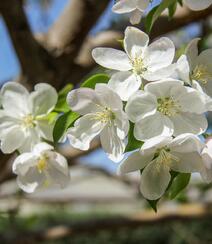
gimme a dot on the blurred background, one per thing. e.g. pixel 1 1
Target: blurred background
pixel 51 41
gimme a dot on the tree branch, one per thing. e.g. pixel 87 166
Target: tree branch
pixel 31 55
pixel 70 30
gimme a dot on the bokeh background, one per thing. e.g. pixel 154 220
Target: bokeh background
pixel 50 41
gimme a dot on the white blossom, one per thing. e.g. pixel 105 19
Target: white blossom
pixel 41 168
pixel 196 70
pixel 134 7
pixel 197 5
pixel 22 117
pixel 103 115
pixel 160 155
pixel 139 61
pixel 166 108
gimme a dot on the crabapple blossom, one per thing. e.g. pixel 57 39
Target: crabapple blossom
pixel 134 7
pixel 196 70
pixel 158 156
pixel 103 115
pixel 166 108
pixel 139 61
pixel 197 5
pixel 41 168
pixel 23 120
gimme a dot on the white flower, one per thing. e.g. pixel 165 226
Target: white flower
pixel 135 7
pixel 196 70
pixel 160 155
pixel 206 172
pixel 102 111
pixel 166 108
pixel 197 5
pixel 22 119
pixel 41 168
pixel 140 61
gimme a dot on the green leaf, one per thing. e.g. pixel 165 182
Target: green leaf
pixel 156 12
pixel 179 184
pixel 63 123
pixel 133 143
pixel 93 80
pixel 62 105
pixel 172 10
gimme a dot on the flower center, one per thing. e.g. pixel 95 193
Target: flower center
pixel 164 156
pixel 168 106
pixel 105 116
pixel 28 121
pixel 201 73
pixel 138 65
pixel 42 164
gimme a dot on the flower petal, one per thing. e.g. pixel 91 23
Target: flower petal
pixel 31 181
pixel 135 42
pixel 112 59
pixel 140 105
pixel 183 69
pixel 197 5
pixel 186 162
pixel 189 123
pixel 187 96
pixel 150 146
pixel 124 84
pixel 135 16
pixel 112 144
pixel 124 6
pixel 142 4
pixel 83 101
pixel 14 99
pixel 152 126
pixel 43 99
pixel 84 131
pixel 108 98
pixel 154 180
pixel 41 147
pixel 12 140
pixel 191 52
pixel 159 54
pixel 162 88
pixel 185 143
pixel 134 162
pixel 160 73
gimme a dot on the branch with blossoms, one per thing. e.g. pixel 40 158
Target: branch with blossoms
pixel 149 114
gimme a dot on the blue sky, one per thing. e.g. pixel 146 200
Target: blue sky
pixel 40 20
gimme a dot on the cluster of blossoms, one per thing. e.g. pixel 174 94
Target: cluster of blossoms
pixel 24 127
pixel 136 8
pixel 164 100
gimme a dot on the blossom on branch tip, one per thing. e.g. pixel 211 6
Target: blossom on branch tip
pixel 160 155
pixel 41 168
pixel 139 61
pixel 23 116
pixel 103 115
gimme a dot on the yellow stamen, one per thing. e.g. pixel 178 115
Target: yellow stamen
pixel 201 73
pixel 138 65
pixel 28 121
pixel 165 157
pixel 168 106
pixel 105 116
pixel 42 164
